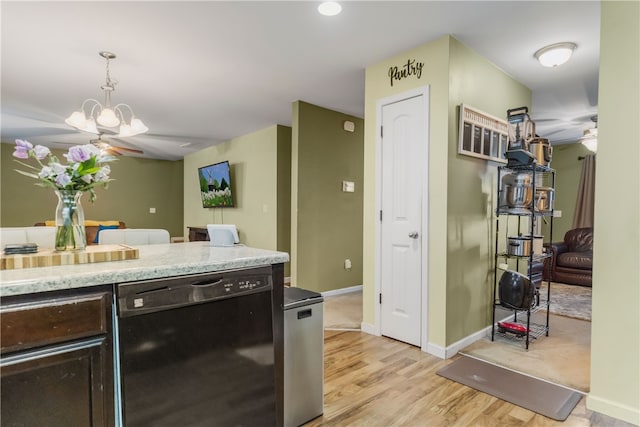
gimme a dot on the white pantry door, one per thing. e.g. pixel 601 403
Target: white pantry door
pixel 403 135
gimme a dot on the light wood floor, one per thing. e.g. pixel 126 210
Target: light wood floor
pixel 376 381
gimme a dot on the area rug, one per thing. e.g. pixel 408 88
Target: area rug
pixel 568 300
pixel 343 312
pixel 563 358
pixel 541 397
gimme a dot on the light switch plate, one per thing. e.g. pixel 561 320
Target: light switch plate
pixel 348 186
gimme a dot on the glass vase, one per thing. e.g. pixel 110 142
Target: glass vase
pixel 70 233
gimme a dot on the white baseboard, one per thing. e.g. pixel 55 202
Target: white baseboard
pixel 454 348
pixel 436 350
pixel 342 291
pixel 369 329
pixel 613 409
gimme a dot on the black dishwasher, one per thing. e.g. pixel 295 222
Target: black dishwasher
pixel 197 350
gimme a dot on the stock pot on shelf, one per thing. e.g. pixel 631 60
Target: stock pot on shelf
pixel 541 150
pixel 519 246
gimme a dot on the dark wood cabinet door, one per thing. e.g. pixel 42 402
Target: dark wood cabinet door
pixel 56 364
pixel 58 386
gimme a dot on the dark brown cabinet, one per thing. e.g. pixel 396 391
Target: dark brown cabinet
pixel 198 234
pixel 56 359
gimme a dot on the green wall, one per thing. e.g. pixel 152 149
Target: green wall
pixel 139 184
pixel 284 191
pixel 615 328
pixel 435 74
pixel 568 169
pixel 260 179
pixel 471 192
pixel 326 222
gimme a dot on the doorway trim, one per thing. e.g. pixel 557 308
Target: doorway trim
pixel 424 282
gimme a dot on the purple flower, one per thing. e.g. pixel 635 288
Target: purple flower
pixel 75 174
pixel 22 149
pixel 78 153
pixel 63 179
pixel 41 152
pixel 92 150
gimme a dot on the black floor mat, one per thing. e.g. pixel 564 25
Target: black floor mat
pixel 551 400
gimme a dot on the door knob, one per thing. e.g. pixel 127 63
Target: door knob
pixel 413 234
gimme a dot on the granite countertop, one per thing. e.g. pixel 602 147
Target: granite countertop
pixel 155 261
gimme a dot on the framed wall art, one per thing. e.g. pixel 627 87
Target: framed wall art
pixel 482 135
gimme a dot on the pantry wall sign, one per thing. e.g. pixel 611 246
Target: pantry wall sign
pixel 411 68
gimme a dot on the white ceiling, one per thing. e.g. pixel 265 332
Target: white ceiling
pixel 200 73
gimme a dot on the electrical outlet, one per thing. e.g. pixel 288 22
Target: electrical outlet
pixel 152 210
pixel 347 264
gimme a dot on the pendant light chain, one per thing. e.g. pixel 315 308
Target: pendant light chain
pixel 109 85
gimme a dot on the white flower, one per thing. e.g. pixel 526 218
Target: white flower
pixel 103 174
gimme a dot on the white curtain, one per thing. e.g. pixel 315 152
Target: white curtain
pixel 583 215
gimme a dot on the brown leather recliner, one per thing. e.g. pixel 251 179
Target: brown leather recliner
pixel 572 259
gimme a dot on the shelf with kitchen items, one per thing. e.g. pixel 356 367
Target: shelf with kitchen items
pixel 525 198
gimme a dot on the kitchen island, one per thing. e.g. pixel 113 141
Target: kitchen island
pixel 155 261
pixel 57 328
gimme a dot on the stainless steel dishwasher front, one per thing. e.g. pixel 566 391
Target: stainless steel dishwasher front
pixel 303 356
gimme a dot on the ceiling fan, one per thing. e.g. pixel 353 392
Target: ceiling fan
pixel 550 126
pixel 107 148
pixel 113 149
pixel 590 137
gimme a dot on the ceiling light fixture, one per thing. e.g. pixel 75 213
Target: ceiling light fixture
pixel 106 115
pixel 590 136
pixel 555 54
pixel 329 8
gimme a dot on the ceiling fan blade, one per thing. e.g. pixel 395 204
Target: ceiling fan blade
pixel 553 132
pixel 129 150
pixel 111 151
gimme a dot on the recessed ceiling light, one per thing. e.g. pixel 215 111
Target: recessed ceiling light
pixel 329 8
pixel 555 54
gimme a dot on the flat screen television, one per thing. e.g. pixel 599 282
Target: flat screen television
pixel 215 185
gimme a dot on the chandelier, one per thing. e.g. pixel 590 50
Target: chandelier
pixel 104 114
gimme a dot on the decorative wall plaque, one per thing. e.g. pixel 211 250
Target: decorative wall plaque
pixel 482 135
pixel 411 68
